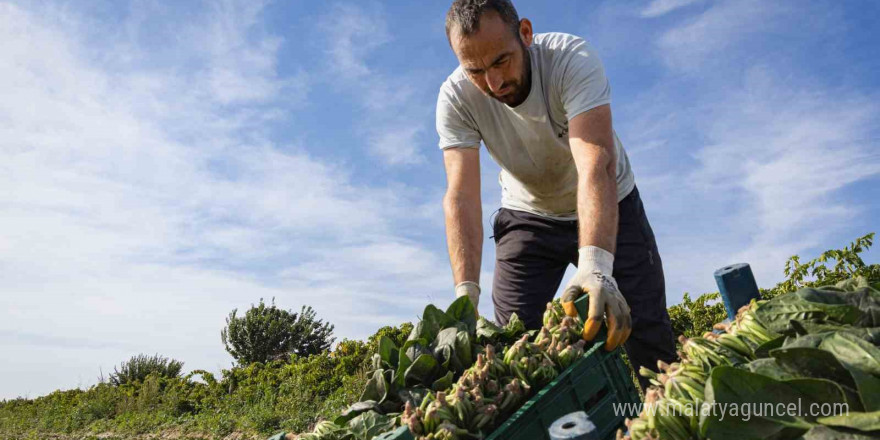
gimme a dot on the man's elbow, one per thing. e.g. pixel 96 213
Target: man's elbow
pixel 602 166
pixel 449 201
pixel 456 200
pixel 452 200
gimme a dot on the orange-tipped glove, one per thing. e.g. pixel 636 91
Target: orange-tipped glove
pixel 593 276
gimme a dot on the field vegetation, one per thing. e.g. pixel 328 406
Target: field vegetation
pixel 287 376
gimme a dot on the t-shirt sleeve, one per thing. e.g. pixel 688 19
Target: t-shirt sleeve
pixel 454 126
pixel 582 83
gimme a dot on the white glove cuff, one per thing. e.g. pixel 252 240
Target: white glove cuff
pixel 592 258
pixel 467 288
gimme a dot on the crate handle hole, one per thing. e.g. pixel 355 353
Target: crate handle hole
pixel 569 425
pixel 596 398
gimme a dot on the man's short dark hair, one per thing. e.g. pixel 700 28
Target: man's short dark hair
pixel 465 15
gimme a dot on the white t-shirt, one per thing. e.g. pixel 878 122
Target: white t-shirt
pixel 530 142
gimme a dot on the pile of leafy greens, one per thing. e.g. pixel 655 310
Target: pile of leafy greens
pixel 804 364
pixel 442 345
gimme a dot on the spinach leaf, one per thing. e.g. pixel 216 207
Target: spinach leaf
pixel 514 328
pixel 870 334
pixel 444 349
pixel 763 350
pixel 433 320
pixel 813 362
pixel 463 349
pixel 410 351
pixel 354 410
pixel 820 432
pixel 770 368
pixel 488 332
pixel 388 351
pixel 414 395
pixel 853 351
pixel 422 371
pixel 852 284
pixel 370 424
pixel 444 383
pixel 778 312
pixel 869 389
pixel 735 389
pixel 462 310
pixel 863 421
pixel 376 389
pixel 738 389
pixel 860 388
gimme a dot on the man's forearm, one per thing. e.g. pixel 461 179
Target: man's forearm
pixel 464 236
pixel 593 148
pixel 597 208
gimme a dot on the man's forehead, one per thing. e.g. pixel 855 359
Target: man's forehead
pixel 491 40
pixel 478 56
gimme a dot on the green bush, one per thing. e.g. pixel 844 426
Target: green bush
pixel 267 333
pixel 817 272
pixel 695 317
pixel 139 367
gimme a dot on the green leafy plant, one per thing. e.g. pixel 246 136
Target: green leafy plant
pixel 692 317
pixel 268 333
pixel 139 367
pixel 848 264
pixel 816 346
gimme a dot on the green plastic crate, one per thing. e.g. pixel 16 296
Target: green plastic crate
pixel 595 383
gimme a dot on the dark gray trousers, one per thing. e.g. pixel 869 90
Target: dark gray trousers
pixel 532 253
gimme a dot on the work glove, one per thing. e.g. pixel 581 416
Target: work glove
pixel 472 290
pixel 593 277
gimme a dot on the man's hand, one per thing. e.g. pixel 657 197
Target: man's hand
pixel 593 276
pixel 472 291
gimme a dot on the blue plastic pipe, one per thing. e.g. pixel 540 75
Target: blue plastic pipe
pixel 574 426
pixel 737 286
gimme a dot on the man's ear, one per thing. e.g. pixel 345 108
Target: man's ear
pixel 525 31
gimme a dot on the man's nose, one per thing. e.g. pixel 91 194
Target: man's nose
pixel 494 80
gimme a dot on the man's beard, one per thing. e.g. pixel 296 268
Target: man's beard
pixel 519 90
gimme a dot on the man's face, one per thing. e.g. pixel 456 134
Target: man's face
pixel 495 59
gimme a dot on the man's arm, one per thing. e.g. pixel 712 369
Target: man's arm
pixel 592 146
pixel 464 219
pixel 591 139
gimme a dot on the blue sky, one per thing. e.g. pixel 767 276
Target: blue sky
pixel 162 163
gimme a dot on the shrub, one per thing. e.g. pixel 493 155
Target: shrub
pixel 139 367
pixel 692 317
pixel 267 333
pixel 816 272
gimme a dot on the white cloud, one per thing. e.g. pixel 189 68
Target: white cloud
pixel 706 38
pixel 398 146
pixel 393 111
pixel 141 203
pixel 662 7
pixel 749 157
pixel 243 70
pixel 353 34
pixel 791 149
